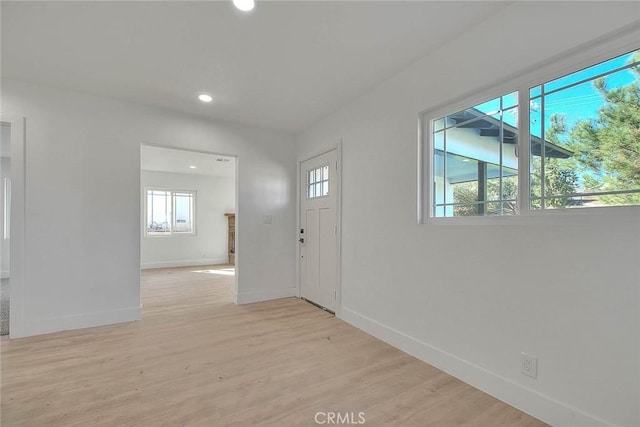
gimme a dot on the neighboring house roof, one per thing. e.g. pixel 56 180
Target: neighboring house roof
pixel 490 127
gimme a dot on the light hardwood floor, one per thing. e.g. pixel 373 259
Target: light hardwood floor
pixel 198 359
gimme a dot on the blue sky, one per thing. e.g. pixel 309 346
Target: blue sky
pixel 582 101
pixel 577 103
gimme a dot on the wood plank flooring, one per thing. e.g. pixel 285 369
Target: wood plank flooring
pixel 196 359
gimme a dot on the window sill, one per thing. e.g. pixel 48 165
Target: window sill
pixel 545 217
pixel 170 235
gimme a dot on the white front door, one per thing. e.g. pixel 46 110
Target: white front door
pixel 318 234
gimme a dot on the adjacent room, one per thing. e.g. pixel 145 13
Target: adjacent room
pixel 298 213
pixel 188 221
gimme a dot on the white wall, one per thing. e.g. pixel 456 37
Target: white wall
pixel 215 196
pixel 470 299
pixel 82 220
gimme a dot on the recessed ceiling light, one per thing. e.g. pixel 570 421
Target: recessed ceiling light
pixel 244 5
pixel 205 98
pixel 192 167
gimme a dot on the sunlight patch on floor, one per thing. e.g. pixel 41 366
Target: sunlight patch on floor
pixel 222 271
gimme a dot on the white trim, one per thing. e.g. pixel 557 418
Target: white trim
pixel 560 216
pixel 338 148
pixel 338 308
pixel 18 220
pixel 525 399
pixel 185 263
pixel 260 296
pixel 236 206
pixel 523 201
pixel 586 55
pixel 80 321
pixel 190 150
pixel 424 164
pixel 6 223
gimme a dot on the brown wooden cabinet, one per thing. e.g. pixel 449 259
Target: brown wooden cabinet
pixel 231 242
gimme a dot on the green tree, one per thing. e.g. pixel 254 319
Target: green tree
pixel 467 192
pixel 607 148
pixel 560 176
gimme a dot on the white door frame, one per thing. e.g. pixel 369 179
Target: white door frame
pixel 338 148
pixel 17 244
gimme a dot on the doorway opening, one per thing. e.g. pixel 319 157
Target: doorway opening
pixel 12 209
pixel 5 239
pixel 188 211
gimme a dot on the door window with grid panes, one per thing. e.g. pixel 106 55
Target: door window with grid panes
pixel 318 182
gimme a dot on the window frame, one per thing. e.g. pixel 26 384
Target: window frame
pixel 430 132
pixel 557 66
pixel 322 181
pixel 171 232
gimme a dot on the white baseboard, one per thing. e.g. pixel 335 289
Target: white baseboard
pixel 259 296
pixel 80 321
pixel 530 401
pixel 4 274
pixel 184 263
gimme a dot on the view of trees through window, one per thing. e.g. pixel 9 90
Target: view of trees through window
pixel 584 146
pixel 595 115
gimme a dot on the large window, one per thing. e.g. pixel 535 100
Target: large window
pixel 170 212
pixel 581 139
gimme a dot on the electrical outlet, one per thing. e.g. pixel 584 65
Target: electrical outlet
pixel 529 366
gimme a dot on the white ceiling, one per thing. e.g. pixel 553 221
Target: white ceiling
pixel 283 66
pixel 178 161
